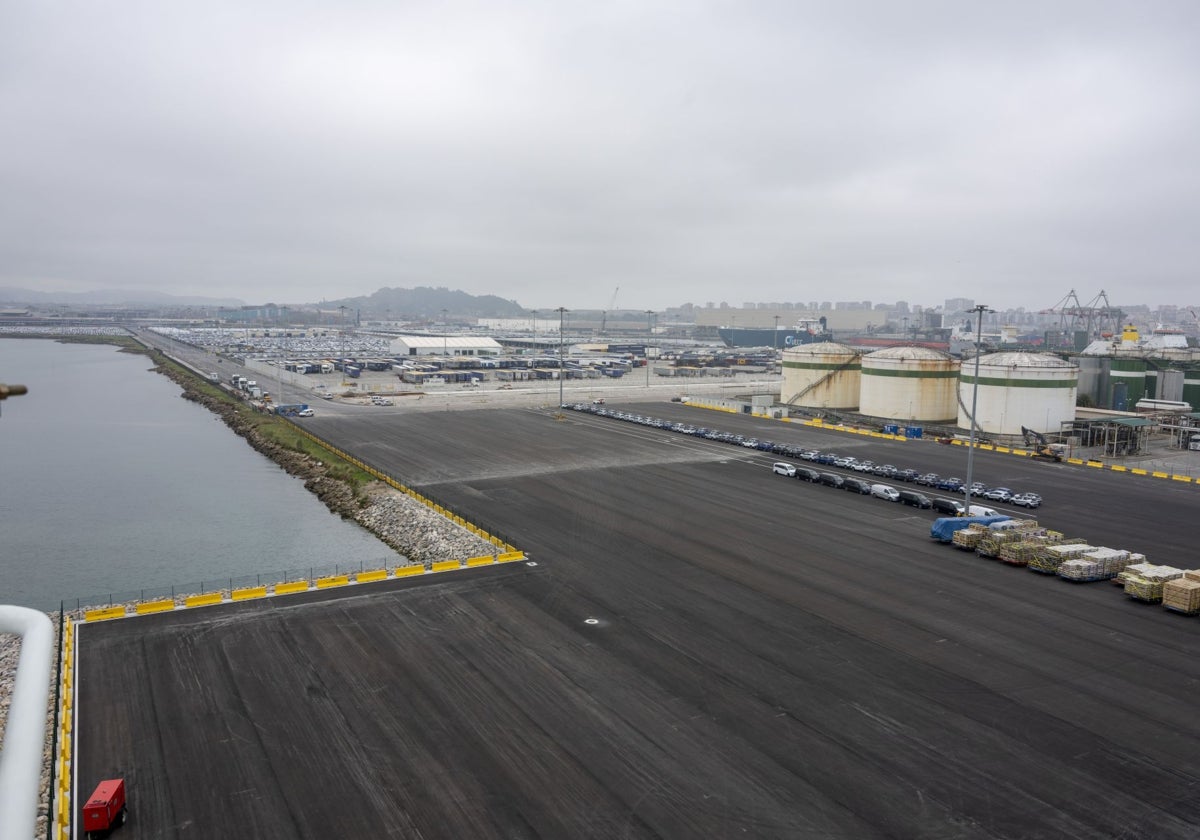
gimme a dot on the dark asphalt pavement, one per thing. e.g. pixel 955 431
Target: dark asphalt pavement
pixel 704 649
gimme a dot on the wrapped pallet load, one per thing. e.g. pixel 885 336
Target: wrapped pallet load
pixel 1046 560
pixel 1021 552
pixel 1147 585
pixel 1016 531
pixel 1097 564
pixel 968 538
pixel 1132 570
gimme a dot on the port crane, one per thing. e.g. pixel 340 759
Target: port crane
pixel 1097 317
pixel 612 305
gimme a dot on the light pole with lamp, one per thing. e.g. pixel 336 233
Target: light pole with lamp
pixel 562 371
pixel 649 336
pixel 445 323
pixel 979 310
pixel 342 330
pixel 775 335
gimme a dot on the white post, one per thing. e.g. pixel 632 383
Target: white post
pixel 25 733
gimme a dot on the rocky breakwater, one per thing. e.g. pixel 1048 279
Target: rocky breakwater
pixel 405 524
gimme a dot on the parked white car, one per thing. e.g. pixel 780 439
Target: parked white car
pixel 885 492
pixel 784 468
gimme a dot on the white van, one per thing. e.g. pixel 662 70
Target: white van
pixel 784 468
pixel 885 492
pixel 980 510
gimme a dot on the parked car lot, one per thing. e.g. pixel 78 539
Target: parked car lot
pixel 952 485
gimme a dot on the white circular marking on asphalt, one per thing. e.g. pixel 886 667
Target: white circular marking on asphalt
pixel 531 563
pixel 591 621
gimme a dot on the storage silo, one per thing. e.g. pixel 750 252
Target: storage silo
pixel 1016 389
pixel 823 374
pixel 1093 378
pixel 909 384
pixel 1130 370
pixel 1191 387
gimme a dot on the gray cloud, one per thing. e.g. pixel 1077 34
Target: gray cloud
pixel 549 152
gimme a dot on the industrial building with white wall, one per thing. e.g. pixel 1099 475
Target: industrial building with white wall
pixel 449 345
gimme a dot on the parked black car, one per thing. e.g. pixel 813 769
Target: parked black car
pixel 915 499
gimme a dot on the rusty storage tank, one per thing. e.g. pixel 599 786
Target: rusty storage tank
pixel 823 374
pixel 1034 390
pixel 909 384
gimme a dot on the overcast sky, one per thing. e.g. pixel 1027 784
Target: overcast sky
pixel 550 152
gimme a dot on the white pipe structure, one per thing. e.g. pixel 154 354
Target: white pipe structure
pixel 25 733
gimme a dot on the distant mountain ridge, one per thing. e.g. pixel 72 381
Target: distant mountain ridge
pixel 428 302
pixel 422 302
pixel 110 297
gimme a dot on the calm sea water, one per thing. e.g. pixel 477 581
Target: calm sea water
pixel 110 483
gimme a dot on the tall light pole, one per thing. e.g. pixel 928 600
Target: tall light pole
pixel 979 310
pixel 775 335
pixel 562 371
pixel 649 337
pixel 342 325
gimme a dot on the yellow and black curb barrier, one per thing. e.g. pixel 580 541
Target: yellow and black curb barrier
pixel 989 447
pixel 1084 462
pixel 250 593
pixel 61 808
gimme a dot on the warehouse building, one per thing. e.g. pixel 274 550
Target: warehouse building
pixel 443 345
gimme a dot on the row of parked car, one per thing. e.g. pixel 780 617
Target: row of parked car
pixel 948 507
pixel 791 450
pixel 929 479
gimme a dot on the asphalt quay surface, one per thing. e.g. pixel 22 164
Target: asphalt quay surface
pixel 703 648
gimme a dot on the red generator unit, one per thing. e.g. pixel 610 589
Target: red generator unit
pixel 105 808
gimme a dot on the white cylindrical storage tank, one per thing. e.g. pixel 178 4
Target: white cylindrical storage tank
pixel 823 374
pixel 1018 389
pixel 909 384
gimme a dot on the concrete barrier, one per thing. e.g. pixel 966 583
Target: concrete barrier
pixel 104 614
pixel 481 560
pixel 248 593
pixel 509 556
pixel 445 566
pixel 332 581
pixel 155 607
pixel 291 587
pixel 206 600
pixel 373 575
pixel 408 571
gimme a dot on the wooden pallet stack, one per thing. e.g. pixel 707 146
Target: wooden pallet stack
pixel 1098 564
pixel 1019 553
pixel 968 538
pixel 1047 559
pixel 994 540
pixel 1182 595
